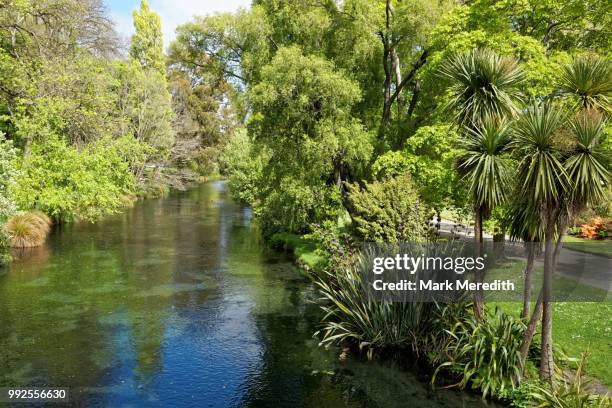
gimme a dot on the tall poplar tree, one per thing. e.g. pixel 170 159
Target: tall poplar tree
pixel 147 42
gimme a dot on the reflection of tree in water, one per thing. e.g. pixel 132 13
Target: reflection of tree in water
pixel 48 329
pixel 95 306
pixel 143 250
pixel 292 372
pixel 61 314
pixel 296 372
pixel 285 321
pixel 179 239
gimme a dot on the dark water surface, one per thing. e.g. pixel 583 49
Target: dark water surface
pixel 176 302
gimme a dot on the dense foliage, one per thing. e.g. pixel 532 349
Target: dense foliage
pixel 391 111
pixel 66 182
pixel 360 115
pixel 8 171
pixel 388 211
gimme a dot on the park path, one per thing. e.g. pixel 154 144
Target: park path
pixel 584 267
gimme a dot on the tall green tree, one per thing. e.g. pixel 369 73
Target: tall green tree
pixel 144 97
pixel 558 182
pixel 147 42
pixel 485 88
pixel 523 225
pixel 487 168
pixel 302 113
pixel 544 180
pixel 483 84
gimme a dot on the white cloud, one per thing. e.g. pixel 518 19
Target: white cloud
pixel 176 12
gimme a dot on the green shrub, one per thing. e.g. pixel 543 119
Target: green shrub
pixel 484 354
pixel 521 396
pixel 429 157
pixel 8 173
pixel 304 249
pixel 295 205
pixel 574 231
pixel 354 317
pixel 387 211
pixel 242 166
pixel 5 256
pixel 390 164
pixel 334 245
pixel 206 161
pixel 7 205
pixel 66 182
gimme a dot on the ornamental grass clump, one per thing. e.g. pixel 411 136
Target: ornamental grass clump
pixel 570 392
pixel 28 229
pixel 484 355
pixel 354 318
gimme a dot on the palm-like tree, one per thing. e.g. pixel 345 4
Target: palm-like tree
pixel 483 84
pixel 484 161
pixel 485 164
pixel 561 173
pixel 538 144
pixel 523 225
pixel 485 88
pixel 588 165
pixel 544 180
pixel 589 81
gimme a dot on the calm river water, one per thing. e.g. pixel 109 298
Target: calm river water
pixel 176 302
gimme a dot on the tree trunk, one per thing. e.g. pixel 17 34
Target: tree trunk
pixel 27 147
pixel 546 353
pixel 531 255
pixel 386 40
pixel 478 295
pixel 537 311
pixel 395 63
pixel 530 331
pixel 338 173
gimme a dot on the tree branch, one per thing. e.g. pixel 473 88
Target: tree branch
pixel 415 67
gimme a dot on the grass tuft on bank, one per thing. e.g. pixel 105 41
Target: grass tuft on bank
pixel 304 249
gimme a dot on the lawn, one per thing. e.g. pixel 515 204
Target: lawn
pixel 578 326
pixel 594 246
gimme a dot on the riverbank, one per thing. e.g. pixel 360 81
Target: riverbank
pixel 579 326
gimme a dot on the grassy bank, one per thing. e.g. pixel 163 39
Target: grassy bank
pixel 578 327
pixel 597 247
pixel 304 249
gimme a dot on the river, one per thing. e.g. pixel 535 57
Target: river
pixel 177 302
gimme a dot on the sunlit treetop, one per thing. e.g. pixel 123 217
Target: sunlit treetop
pixel 147 41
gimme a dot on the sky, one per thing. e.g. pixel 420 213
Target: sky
pixel 172 12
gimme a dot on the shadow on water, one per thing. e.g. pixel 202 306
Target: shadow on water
pixel 176 302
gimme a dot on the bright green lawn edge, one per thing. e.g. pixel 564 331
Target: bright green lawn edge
pixel 304 249
pixel 594 246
